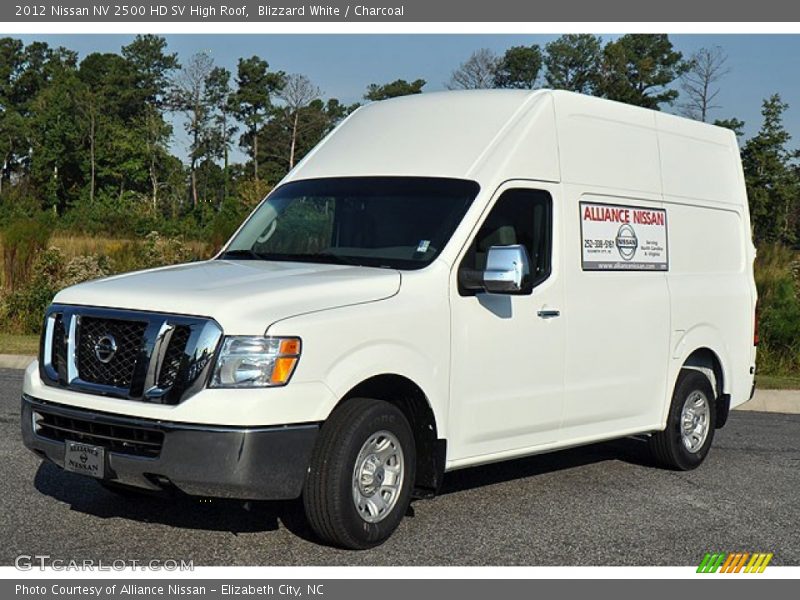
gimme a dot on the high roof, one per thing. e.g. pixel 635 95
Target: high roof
pixel 443 134
pixel 491 136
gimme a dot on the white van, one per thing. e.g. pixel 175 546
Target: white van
pixel 446 280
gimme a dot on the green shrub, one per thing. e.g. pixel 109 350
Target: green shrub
pixel 779 310
pixel 22 309
pixel 23 241
pixel 85 268
pixel 123 258
pixel 157 251
pixel 109 215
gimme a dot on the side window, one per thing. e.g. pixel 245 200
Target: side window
pixel 519 216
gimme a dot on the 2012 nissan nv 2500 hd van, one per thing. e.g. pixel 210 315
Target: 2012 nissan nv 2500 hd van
pixel 446 280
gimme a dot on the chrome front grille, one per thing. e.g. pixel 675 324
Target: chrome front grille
pixel 144 356
pixel 124 439
pixel 128 338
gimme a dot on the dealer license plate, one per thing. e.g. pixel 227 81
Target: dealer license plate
pixel 85 459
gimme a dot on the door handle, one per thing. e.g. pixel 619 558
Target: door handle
pixel 548 314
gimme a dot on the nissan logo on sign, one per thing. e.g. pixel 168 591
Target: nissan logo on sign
pixel 105 348
pixel 627 242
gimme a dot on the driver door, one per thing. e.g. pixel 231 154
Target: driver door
pixel 507 371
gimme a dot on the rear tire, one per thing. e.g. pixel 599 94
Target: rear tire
pixel 361 474
pixel 691 422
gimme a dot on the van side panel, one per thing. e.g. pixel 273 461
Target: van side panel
pixel 711 301
pixel 711 275
pixel 693 171
pixel 618 325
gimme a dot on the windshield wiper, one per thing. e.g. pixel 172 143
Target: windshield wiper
pixel 354 261
pixel 325 257
pixel 312 257
pixel 327 254
pixel 243 253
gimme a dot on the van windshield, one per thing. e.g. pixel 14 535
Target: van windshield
pixel 396 222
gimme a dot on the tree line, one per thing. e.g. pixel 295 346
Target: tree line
pixel 98 129
pixel 92 137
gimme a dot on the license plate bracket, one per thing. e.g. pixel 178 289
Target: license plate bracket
pixel 85 459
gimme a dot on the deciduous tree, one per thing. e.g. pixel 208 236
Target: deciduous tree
pixel 280 135
pixel 699 83
pixel 476 73
pixel 189 96
pixel 297 93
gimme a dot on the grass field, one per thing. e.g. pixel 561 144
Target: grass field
pixel 19 344
pixel 122 254
pixel 83 245
pixel 778 382
pixel 77 245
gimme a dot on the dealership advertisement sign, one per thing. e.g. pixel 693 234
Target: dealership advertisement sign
pixel 623 238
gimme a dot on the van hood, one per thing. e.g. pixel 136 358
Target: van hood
pixel 243 296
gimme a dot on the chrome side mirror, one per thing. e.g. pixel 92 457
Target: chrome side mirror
pixel 507 269
pixel 507 272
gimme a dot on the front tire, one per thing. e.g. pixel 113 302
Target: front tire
pixel 691 422
pixel 361 474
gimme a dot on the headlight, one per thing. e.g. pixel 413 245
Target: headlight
pixel 254 361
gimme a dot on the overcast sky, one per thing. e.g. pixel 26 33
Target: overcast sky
pixel 343 65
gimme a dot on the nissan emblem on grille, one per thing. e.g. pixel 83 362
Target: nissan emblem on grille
pixel 105 348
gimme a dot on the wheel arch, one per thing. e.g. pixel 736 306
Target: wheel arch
pixel 707 361
pixel 409 397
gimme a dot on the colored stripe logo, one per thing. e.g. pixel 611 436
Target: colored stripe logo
pixel 734 562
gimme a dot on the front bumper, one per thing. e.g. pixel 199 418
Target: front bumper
pixel 268 463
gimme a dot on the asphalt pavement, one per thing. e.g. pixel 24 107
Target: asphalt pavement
pixel 604 504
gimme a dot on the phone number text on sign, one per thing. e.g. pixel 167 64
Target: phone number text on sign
pixel 623 238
